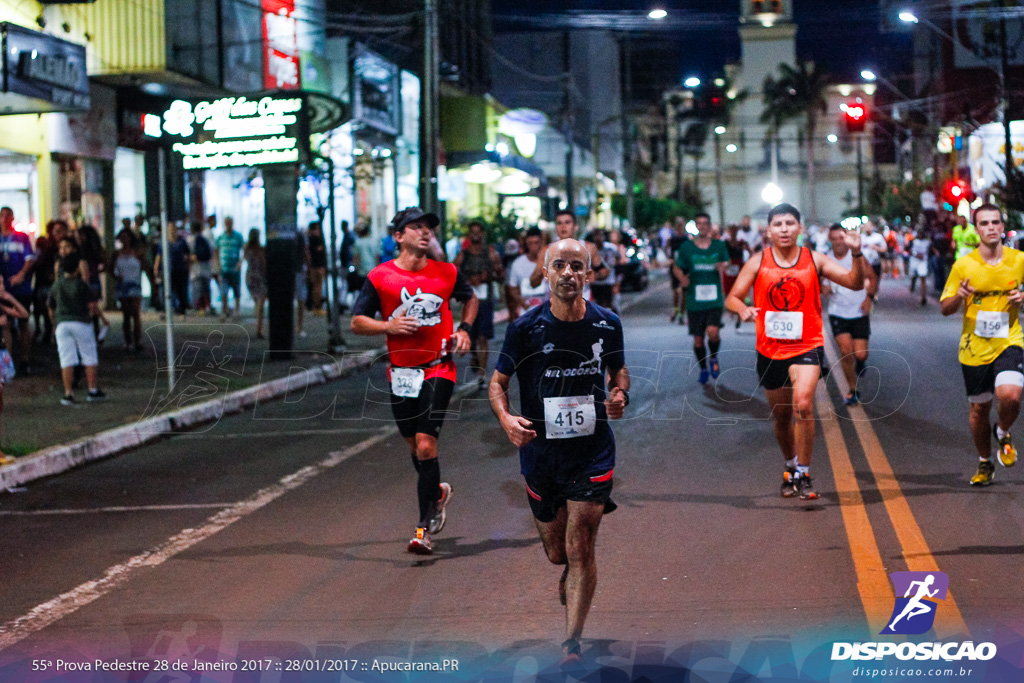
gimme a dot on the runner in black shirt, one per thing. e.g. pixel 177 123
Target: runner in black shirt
pixel 562 352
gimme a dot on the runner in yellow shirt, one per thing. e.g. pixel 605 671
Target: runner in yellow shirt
pixel 989 280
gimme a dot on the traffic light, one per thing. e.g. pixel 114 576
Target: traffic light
pixel 856 116
pixel 956 191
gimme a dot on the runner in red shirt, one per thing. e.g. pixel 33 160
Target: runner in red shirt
pixel 790 341
pixel 412 294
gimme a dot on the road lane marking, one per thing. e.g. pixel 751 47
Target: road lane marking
pixel 873 585
pixel 948 621
pixel 112 509
pixel 265 435
pixel 73 600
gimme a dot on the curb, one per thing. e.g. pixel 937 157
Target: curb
pixel 62 457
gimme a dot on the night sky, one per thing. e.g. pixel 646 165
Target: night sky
pixel 842 35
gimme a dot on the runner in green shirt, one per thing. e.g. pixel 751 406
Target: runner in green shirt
pixel 700 264
pixel 965 237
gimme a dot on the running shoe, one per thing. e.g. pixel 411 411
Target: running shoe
pixel 986 471
pixel 572 660
pixel 1007 453
pixel 715 368
pixel 420 543
pixel 438 519
pixel 852 398
pixel 561 585
pixel 704 376
pixel 95 395
pixel 68 400
pixel 805 487
pixel 789 482
pixel 675 314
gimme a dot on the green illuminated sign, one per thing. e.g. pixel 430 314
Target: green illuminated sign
pixel 237 131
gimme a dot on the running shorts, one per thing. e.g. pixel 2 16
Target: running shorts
pixel 774 374
pixel 547 494
pixel 858 328
pixel 424 414
pixel 700 321
pixel 981 380
pixel 483 325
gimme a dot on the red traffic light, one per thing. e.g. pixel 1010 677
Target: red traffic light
pixel 957 190
pixel 856 115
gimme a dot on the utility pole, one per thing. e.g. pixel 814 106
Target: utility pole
pixel 568 120
pixel 429 119
pixel 719 193
pixel 1003 66
pixel 627 139
pixel 860 175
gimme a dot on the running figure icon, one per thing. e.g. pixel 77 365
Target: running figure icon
pixel 916 605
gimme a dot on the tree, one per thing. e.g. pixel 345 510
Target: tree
pixel 799 93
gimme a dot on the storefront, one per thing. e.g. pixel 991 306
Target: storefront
pixel 41 74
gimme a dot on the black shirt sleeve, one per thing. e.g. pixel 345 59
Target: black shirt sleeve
pixel 461 292
pixel 510 354
pixel 368 301
pixel 615 355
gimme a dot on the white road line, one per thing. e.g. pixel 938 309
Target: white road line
pixel 67 603
pixel 116 508
pixel 263 435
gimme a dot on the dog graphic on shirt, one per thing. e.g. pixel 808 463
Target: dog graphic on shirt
pixel 425 307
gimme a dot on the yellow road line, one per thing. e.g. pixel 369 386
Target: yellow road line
pixel 872 580
pixel 948 620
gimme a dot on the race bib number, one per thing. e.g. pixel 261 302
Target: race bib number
pixel 482 291
pixel 407 382
pixel 993 325
pixel 784 325
pixel 732 270
pixel 705 292
pixel 569 417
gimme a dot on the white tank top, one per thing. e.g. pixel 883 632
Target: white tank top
pixel 845 303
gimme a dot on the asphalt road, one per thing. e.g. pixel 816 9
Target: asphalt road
pixel 279 534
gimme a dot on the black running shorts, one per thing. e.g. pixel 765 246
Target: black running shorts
pixel 548 495
pixel 858 328
pixel 425 413
pixel 700 321
pixel 774 374
pixel 980 380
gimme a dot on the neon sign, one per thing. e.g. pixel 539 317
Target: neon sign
pixel 236 131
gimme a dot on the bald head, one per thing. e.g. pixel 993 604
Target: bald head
pixel 567 248
pixel 566 267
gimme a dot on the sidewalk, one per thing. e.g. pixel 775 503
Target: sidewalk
pixel 213 358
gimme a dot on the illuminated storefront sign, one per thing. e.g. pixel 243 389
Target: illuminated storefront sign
pixel 237 131
pixel 280 45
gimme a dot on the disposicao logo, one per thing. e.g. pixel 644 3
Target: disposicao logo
pixel 914 613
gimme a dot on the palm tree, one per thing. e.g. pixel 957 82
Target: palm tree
pixel 799 92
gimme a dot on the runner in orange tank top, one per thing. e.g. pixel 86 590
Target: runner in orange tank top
pixel 790 341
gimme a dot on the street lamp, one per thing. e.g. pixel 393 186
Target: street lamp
pixel 692 82
pixel 719 130
pixel 868 75
pixel 657 14
pixel 772 194
pixel 832 137
pixel 908 17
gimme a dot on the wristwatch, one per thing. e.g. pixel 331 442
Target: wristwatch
pixel 626 394
pixel 465 327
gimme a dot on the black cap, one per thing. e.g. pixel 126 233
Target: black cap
pixel 411 215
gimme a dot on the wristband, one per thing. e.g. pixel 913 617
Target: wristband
pixel 871 296
pixel 626 394
pixel 464 327
pixel 858 254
